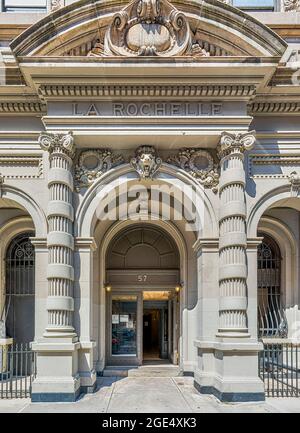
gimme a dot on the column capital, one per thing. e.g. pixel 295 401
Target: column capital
pixel 1 184
pixel 231 143
pixel 58 143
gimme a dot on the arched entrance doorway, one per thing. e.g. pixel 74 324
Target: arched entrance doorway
pixel 143 295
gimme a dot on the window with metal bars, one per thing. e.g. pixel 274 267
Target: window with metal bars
pixel 20 289
pixel 271 317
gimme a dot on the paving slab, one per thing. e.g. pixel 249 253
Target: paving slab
pixel 149 395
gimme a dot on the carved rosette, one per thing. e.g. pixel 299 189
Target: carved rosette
pixel 92 164
pixel 148 28
pixel 200 164
pixel 146 162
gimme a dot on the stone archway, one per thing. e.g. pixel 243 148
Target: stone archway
pixel 142 275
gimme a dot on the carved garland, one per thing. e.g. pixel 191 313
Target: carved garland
pixel 198 163
pixel 92 164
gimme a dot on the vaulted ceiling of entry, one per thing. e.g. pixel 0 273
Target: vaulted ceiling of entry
pixel 143 248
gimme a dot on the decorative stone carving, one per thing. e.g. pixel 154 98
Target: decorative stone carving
pixel 58 143
pixel 56 4
pixel 149 28
pixel 200 164
pixel 294 179
pixel 146 162
pixel 235 143
pixel 92 164
pixel 291 5
pixel 1 183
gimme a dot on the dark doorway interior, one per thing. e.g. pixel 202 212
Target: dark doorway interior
pixel 151 334
pixel 155 330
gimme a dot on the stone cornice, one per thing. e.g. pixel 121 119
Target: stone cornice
pixel 22 107
pixel 274 107
pixel 59 92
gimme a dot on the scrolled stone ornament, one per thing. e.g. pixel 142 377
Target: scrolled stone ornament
pixel 148 28
pixel 58 143
pixel 235 143
pixel 148 10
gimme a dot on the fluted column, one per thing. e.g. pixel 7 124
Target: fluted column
pixel 60 240
pixel 233 235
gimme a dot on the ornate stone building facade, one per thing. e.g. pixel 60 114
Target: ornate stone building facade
pixel 149 153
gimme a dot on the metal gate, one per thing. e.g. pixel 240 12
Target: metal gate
pixel 279 368
pixel 17 370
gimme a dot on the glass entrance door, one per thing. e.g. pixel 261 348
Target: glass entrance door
pixel 125 334
pixel 124 326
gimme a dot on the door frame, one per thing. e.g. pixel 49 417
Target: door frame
pixel 115 360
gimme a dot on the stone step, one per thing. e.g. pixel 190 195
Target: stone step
pixel 143 371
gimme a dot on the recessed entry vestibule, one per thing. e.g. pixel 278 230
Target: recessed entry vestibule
pixel 142 298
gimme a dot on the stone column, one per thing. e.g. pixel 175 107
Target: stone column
pixel 57 358
pixel 233 235
pixel 60 240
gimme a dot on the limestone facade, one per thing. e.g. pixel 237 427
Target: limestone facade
pixel 150 149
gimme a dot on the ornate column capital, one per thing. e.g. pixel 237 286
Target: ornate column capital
pixel 294 179
pixel 58 143
pixel 235 143
pixel 1 183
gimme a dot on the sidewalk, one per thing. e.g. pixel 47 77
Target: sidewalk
pixel 148 394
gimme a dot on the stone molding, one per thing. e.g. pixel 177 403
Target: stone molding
pixel 224 91
pixel 286 161
pixel 13 164
pixel 20 107
pixel 276 107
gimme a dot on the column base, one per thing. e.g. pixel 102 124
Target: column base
pixel 230 397
pixel 57 378
pixel 229 370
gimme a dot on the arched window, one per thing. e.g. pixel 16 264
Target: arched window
pixel 271 317
pixel 20 289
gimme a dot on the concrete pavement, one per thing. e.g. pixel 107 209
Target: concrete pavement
pixel 148 394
